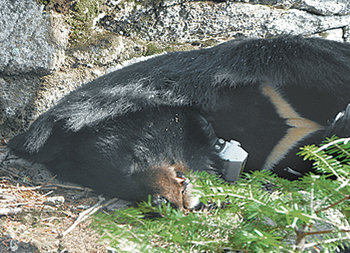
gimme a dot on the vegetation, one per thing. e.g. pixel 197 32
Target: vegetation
pixel 259 213
pixel 79 15
pixel 82 20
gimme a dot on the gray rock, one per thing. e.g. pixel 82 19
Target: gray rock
pixel 325 7
pixel 26 42
pixel 319 7
pixel 32 44
pixel 191 21
pixel 335 34
pixel 17 96
pixel 301 22
pixel 347 34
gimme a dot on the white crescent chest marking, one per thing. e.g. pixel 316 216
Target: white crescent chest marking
pixel 299 127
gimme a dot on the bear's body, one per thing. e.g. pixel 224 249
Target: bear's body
pixel 124 133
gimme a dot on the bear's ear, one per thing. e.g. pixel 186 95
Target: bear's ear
pixel 172 185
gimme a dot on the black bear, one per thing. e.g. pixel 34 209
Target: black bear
pixel 136 131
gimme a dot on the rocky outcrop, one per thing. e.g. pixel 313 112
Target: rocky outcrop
pixel 318 7
pixel 192 21
pixel 49 50
pixel 27 41
pixel 29 48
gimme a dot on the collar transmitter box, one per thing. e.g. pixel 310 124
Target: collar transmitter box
pixel 234 158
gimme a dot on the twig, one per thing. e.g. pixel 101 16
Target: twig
pixel 326 163
pixel 326 232
pixel 50 180
pixel 312 195
pixel 345 140
pixel 10 172
pixel 334 204
pixel 238 196
pixel 203 242
pixel 72 187
pixel 87 213
pixel 301 236
pixel 309 245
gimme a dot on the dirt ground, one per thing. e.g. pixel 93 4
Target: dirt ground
pixel 38 212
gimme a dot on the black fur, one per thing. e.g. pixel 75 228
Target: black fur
pixel 110 134
pixel 120 156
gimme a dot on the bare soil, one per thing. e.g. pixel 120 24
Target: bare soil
pixel 37 212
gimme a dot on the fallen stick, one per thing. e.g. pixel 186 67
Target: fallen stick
pixel 10 172
pixel 72 187
pixel 87 213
